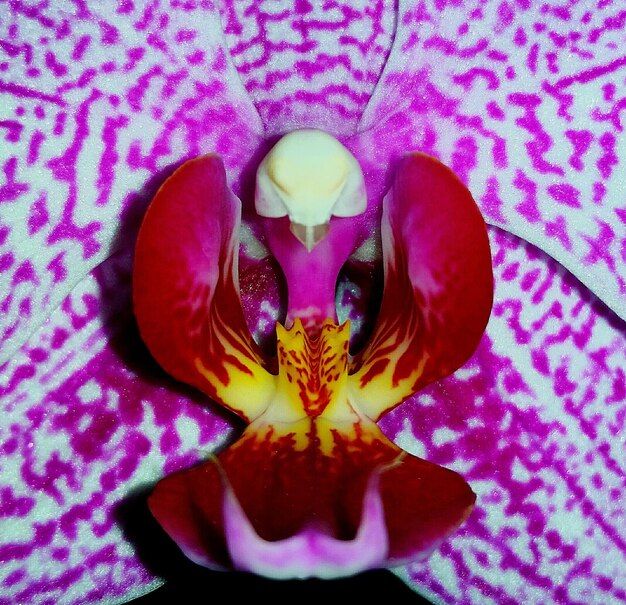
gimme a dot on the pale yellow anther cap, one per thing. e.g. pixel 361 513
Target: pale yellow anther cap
pixel 309 176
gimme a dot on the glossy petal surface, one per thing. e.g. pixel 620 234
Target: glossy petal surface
pixel 186 292
pixel 438 285
pixel 420 505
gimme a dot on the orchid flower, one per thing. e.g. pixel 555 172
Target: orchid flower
pixel 102 102
pixel 312 487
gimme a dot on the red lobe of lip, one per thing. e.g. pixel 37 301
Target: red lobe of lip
pixel 284 492
pixel 185 289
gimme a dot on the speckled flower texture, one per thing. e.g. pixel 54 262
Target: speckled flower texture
pixel 101 102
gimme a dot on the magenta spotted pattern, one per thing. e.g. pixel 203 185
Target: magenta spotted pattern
pixel 524 100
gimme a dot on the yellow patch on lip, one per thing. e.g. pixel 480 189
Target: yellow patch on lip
pixel 312 373
pixel 311 406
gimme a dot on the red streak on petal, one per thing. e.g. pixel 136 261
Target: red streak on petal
pixel 438 284
pixel 185 289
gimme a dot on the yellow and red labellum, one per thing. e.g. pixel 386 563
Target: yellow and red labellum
pixel 303 469
pixel 312 480
pixel 312 373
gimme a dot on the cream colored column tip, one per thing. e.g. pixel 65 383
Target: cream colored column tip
pixel 309 176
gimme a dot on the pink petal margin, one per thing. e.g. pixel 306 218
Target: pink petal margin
pixel 308 553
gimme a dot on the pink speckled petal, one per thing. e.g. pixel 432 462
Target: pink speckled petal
pixel 99 104
pixel 524 104
pixel 534 423
pixel 88 418
pixel 309 63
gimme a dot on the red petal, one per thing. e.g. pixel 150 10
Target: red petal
pixel 185 289
pixel 287 492
pixel 438 286
pixel 188 505
pixel 424 503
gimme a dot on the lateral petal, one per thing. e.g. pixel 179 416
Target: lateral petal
pixel 185 289
pixel 538 144
pixel 438 286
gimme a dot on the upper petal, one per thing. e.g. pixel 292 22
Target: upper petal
pixel 309 63
pixel 185 289
pixel 438 286
pixel 532 125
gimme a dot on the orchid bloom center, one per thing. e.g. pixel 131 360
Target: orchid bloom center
pixel 312 487
pixel 309 176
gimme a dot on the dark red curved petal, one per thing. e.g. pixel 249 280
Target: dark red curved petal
pixel 185 289
pixel 424 503
pixel 308 504
pixel 188 505
pixel 438 286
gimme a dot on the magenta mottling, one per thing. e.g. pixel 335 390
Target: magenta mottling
pixel 524 100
